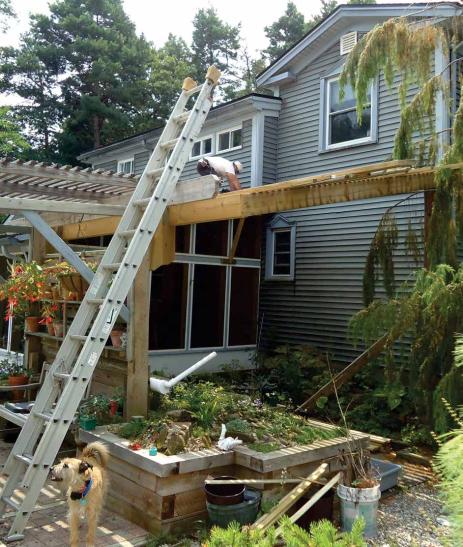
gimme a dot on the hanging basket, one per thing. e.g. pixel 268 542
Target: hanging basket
pixel 32 324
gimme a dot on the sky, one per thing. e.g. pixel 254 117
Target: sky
pixel 156 18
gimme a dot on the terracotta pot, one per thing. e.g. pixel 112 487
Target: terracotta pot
pixel 32 324
pixel 50 328
pixel 116 337
pixel 58 328
pixel 21 380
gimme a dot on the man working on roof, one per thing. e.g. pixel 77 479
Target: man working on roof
pixel 223 168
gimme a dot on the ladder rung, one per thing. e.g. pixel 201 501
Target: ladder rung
pixel 61 375
pixel 23 458
pixel 97 301
pixel 11 503
pixel 193 90
pixel 127 233
pixel 183 117
pixel 79 337
pixel 155 172
pixel 45 416
pixel 141 202
pixel 169 144
pixel 113 266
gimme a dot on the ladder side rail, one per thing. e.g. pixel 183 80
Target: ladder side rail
pixel 125 276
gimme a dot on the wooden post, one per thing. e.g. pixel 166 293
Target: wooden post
pixel 137 347
pixel 163 244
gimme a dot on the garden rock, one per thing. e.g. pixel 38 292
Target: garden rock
pixel 174 437
pixel 180 415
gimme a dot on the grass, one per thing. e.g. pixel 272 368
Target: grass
pixel 265 448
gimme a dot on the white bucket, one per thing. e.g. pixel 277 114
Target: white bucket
pixel 359 502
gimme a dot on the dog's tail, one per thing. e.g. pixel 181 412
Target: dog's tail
pixel 96 451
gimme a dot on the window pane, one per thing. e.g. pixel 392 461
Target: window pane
pixel 224 141
pixel 207 146
pixel 236 137
pixel 208 306
pixel 243 306
pixel 344 126
pixel 169 286
pixel 282 253
pixel 211 238
pixel 349 97
pixel 182 239
pixel 196 151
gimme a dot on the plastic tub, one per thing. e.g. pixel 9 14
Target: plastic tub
pixel 243 513
pixel 359 502
pixel 388 472
pixel 224 494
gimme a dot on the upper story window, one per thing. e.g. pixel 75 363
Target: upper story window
pixel 229 140
pixel 341 126
pixel 125 166
pixel 280 249
pixel 202 147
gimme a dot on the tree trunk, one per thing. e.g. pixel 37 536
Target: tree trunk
pixel 96 132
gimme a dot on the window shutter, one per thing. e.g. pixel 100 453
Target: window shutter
pixel 348 42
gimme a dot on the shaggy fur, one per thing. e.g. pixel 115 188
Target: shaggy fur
pixel 73 473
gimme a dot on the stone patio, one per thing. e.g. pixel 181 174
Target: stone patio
pixel 49 526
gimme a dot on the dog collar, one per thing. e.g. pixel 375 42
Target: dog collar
pixel 85 490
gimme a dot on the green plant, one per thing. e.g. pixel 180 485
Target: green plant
pixel 322 534
pixel 95 406
pixel 265 448
pixel 9 367
pixel 448 462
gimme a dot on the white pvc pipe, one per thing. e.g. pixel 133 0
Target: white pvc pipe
pixel 10 330
pixel 164 386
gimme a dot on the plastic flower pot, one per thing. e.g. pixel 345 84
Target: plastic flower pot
pixel 359 502
pixel 87 422
pixel 58 328
pixel 20 380
pixel 113 406
pixel 32 324
pixel 116 335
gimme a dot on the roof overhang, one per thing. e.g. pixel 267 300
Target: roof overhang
pixel 344 19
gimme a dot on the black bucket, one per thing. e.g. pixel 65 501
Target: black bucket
pixel 224 494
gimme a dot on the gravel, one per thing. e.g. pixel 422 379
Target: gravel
pixel 411 517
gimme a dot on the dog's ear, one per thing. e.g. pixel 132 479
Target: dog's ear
pixel 83 466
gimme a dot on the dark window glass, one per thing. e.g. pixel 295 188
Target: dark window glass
pixel 169 286
pixel 182 239
pixel 250 241
pixel 236 138
pixel 343 123
pixel 211 238
pixel 207 146
pixel 208 306
pixel 282 252
pixel 196 151
pixel 243 306
pixel 224 141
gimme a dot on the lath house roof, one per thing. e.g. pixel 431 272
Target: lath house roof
pixel 38 180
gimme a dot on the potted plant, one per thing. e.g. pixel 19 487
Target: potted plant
pixel 118 336
pixel 93 411
pixel 116 403
pixel 17 375
pixel 49 311
pixel 73 285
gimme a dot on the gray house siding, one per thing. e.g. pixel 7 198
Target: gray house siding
pixel 107 165
pixel 332 243
pixel 269 171
pixel 242 154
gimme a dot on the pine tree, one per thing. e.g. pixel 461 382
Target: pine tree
pixel 284 32
pixel 215 43
pixel 12 143
pixel 6 12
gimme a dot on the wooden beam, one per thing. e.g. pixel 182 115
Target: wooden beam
pixel 346 374
pixel 236 240
pixel 44 205
pixel 14 229
pixel 89 228
pixel 15 186
pixel 163 245
pixel 138 365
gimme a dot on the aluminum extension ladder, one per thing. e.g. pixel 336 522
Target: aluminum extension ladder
pixel 33 454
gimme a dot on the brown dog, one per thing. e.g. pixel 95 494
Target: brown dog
pixel 84 480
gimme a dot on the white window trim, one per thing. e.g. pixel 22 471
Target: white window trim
pixel 325 90
pixel 279 224
pixel 229 131
pixel 202 154
pixel 125 160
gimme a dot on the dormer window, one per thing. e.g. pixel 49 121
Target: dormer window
pixel 126 166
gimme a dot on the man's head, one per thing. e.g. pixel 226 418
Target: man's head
pixel 237 166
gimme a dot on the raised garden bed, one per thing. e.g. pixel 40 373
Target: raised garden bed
pixel 163 492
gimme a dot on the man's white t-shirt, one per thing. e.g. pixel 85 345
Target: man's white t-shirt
pixel 220 165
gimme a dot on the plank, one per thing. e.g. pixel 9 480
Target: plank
pixel 163 245
pixel 45 205
pixel 345 374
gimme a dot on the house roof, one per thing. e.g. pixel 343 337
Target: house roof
pixel 340 20
pixel 153 134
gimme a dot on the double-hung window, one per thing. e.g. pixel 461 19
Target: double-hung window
pixel 202 147
pixel 280 249
pixel 341 125
pixel 125 166
pixel 229 140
